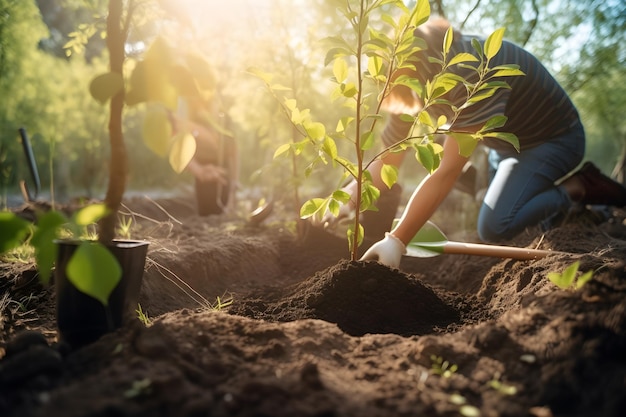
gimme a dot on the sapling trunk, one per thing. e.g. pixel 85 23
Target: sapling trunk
pixel 357 140
pixel 118 163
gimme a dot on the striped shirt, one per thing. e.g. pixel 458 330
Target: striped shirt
pixel 537 107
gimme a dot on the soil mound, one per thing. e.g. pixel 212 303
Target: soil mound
pixel 360 297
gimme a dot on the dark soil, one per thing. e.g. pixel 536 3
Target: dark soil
pixel 310 333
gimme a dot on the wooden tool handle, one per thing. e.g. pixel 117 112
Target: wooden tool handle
pixel 496 251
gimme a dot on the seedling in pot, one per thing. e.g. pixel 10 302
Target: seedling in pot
pixel 93 269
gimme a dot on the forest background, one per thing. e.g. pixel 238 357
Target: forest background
pixel 44 88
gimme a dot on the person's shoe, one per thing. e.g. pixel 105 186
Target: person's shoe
pixel 600 189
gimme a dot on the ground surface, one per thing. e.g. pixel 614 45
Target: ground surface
pixel 309 333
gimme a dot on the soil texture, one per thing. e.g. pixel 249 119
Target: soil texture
pixel 261 320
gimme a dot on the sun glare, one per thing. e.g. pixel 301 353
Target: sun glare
pixel 218 12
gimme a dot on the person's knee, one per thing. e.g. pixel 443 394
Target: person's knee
pixel 487 234
pixel 492 229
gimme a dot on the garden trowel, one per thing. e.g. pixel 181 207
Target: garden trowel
pixel 431 241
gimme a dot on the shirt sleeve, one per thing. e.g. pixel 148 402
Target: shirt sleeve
pixel 395 130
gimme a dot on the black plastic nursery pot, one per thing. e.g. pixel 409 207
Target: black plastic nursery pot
pixel 211 197
pixel 82 319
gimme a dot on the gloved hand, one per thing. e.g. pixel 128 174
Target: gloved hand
pixel 387 251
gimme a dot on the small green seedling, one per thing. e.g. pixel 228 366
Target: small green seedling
pixel 441 367
pixel 143 316
pixel 92 269
pixel 567 278
pixel 501 387
pixel 124 227
pixel 140 387
pixel 221 304
pixel 465 409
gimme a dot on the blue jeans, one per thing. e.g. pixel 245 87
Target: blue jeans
pixel 522 191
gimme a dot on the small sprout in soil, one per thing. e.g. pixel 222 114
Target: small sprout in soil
pixel 457 399
pixel 567 278
pixel 441 367
pixel 501 387
pixel 143 316
pixel 23 254
pixel 139 388
pixel 465 409
pixel 124 227
pixel 25 301
pixel 469 411
pixel 118 348
pixel 221 304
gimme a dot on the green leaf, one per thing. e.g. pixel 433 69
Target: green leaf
pixel 350 234
pixel 315 130
pixel 462 57
pixel 467 143
pixel 94 270
pixel 482 95
pixel 43 242
pixel 341 196
pixel 565 279
pixel 343 123
pixel 150 82
pixel 494 43
pixel 367 141
pixel 447 40
pixel 422 13
pixel 13 231
pixel 340 70
pixel 442 84
pixel 425 119
pixel 583 279
pixel 369 195
pixel 477 47
pixel 182 152
pixel 425 156
pixel 105 86
pixel 507 137
pixel 389 175
pixel 507 73
pixel 412 83
pixel 313 206
pixel 90 214
pixel 157 132
pixel 282 149
pixel 375 65
pixel 335 54
pixel 266 77
pixel 333 207
pixel 330 148
pixel 494 123
pixel 349 90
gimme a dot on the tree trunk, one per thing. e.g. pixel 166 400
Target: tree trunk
pixel 118 165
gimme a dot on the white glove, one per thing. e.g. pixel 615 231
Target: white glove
pixel 387 251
